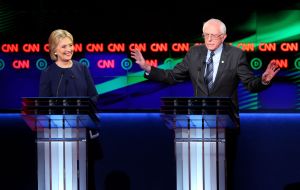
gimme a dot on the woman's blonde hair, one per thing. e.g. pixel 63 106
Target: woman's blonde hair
pixel 55 38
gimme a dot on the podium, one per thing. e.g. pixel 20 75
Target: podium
pixel 200 126
pixel 61 125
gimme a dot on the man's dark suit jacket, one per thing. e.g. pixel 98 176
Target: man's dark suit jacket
pixel 233 67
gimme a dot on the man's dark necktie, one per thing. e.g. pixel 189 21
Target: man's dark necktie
pixel 209 71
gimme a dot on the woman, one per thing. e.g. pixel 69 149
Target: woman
pixel 65 77
pixel 69 78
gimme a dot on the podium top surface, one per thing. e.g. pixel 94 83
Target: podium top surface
pixel 46 100
pixel 45 112
pixel 57 103
pixel 185 104
pixel 209 109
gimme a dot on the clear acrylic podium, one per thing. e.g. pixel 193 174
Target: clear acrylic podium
pixel 61 125
pixel 200 136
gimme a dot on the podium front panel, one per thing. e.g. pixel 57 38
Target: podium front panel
pixel 62 158
pixel 199 124
pixel 61 125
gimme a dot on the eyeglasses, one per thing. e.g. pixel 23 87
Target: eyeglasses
pixel 212 36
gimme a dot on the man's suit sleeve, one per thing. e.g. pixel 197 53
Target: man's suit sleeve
pixel 251 82
pixel 179 73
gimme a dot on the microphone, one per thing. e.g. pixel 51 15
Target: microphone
pixel 66 87
pixel 198 73
pixel 59 82
pixel 197 78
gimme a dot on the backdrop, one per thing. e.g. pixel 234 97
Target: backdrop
pixel 105 32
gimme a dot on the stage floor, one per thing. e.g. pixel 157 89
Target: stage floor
pixel 138 152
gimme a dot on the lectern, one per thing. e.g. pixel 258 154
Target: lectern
pixel 61 125
pixel 199 124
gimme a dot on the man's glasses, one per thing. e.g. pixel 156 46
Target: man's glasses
pixel 212 36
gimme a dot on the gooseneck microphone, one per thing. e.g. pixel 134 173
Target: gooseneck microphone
pixel 59 82
pixel 196 91
pixel 197 78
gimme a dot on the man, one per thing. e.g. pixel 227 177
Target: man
pixel 215 69
pixel 229 66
